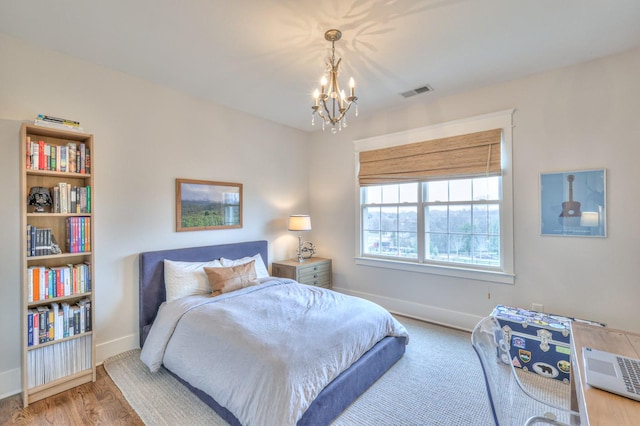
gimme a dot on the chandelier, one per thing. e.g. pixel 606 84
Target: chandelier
pixel 331 103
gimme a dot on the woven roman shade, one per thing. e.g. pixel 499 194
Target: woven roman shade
pixel 473 154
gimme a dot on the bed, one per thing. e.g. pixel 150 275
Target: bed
pixel 339 393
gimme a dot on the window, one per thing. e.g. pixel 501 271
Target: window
pixel 462 221
pixel 390 220
pixel 454 221
pixel 440 205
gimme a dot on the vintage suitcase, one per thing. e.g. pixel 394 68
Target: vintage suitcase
pixel 538 342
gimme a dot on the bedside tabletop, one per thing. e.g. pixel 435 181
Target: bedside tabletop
pixel 313 271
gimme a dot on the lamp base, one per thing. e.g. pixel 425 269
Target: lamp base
pixel 300 257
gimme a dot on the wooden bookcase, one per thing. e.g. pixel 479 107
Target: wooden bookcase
pixel 63 357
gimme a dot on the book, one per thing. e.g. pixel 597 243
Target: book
pixel 83 158
pixel 53 159
pixel 42 284
pixel 51 119
pixel 63 158
pixel 28 236
pixel 28 152
pixel 43 319
pixel 57 123
pixel 41 164
pixel 35 327
pixel 73 201
pixel 87 159
pixel 64 197
pixel 29 327
pixel 71 157
pixel 33 241
pixel 35 156
pixel 47 156
pixel 86 304
pixel 65 319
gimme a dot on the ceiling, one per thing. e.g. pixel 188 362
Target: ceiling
pixel 265 57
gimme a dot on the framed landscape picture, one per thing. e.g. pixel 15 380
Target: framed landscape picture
pixel 205 205
pixel 573 203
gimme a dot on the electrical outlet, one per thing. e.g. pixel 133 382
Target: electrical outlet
pixel 538 307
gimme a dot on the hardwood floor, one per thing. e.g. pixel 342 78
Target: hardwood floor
pixel 98 403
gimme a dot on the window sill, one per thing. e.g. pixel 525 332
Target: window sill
pixel 449 271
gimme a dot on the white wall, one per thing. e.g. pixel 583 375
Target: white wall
pixel 146 136
pixel 582 117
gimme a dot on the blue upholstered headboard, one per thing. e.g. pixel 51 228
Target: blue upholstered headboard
pixel 151 290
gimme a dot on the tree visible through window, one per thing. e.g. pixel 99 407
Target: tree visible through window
pixel 454 221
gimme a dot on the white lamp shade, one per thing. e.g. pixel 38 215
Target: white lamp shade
pixel 299 222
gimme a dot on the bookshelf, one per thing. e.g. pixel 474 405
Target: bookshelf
pixel 58 286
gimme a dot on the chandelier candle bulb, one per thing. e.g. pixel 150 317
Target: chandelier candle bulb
pixel 332 104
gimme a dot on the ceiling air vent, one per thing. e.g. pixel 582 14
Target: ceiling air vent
pixel 417 91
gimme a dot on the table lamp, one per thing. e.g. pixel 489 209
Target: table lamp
pixel 300 222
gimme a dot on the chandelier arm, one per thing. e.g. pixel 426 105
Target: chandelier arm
pixel 326 109
pixel 333 113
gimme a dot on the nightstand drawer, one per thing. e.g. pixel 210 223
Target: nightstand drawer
pixel 311 275
pixel 314 271
pixel 326 283
pixel 322 268
pixel 316 279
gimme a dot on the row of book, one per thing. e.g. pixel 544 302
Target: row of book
pixel 78 234
pixel 72 157
pixel 40 241
pixel 67 198
pixel 59 281
pixel 58 321
pixel 52 362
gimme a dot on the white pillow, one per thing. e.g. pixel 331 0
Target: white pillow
pixel 261 269
pixel 183 279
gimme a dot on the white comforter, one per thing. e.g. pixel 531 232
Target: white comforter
pixel 265 352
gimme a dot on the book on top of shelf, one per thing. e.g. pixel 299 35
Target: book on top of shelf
pixel 55 125
pixel 51 119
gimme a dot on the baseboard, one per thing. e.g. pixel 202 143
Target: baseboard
pixel 10 383
pixel 117 346
pixel 433 314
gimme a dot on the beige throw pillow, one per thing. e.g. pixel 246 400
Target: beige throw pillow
pixel 224 280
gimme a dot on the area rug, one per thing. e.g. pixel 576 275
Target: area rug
pixel 438 382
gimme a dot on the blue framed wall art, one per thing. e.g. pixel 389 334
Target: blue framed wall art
pixel 573 203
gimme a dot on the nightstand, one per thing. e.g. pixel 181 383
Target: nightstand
pixel 313 271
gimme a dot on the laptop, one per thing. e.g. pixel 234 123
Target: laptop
pixel 611 372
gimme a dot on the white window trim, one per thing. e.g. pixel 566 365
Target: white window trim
pixel 496 120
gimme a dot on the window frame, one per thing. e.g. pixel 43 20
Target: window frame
pixel 498 120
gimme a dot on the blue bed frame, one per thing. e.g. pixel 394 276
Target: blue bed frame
pixel 338 394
